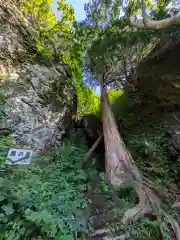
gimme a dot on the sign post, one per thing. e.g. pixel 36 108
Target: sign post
pixel 19 156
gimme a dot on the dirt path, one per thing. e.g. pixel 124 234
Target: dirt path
pixel 99 209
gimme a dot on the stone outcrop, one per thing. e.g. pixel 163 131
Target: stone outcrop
pixel 159 74
pixel 41 98
pixel 158 88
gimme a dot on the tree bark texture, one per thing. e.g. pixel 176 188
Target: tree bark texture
pixel 120 165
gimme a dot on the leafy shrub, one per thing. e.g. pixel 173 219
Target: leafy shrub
pixel 88 101
pixel 47 202
pixel 119 101
pixel 5 144
pixel 151 151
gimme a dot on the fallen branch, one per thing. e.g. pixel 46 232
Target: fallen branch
pixel 176 118
pixel 92 149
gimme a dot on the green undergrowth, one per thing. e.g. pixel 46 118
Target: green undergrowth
pixel 152 227
pixel 5 144
pixel 148 143
pixel 47 202
pixel 88 101
pixel 119 102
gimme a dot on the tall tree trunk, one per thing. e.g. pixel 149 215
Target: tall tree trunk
pixel 121 168
pixel 120 165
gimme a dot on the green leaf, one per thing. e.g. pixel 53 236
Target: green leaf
pixel 8 209
pixel 105 188
pixel 67 237
pixel 2 198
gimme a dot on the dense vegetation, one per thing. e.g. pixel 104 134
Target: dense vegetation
pixel 57 197
pixel 52 202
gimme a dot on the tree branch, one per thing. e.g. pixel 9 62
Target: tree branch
pixel 158 24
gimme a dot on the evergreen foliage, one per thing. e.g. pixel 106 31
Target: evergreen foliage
pixel 88 101
pixel 119 102
pixel 54 36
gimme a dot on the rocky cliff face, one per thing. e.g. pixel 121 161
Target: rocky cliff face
pixel 159 74
pixel 41 98
pixel 158 88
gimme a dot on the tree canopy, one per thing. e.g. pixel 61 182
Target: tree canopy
pixel 54 34
pixel 112 35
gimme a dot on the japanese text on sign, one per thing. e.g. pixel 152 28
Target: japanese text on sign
pixel 19 156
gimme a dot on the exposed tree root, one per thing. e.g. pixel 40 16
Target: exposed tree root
pixel 174 224
pixel 148 201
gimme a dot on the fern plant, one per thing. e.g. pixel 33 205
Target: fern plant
pixel 46 202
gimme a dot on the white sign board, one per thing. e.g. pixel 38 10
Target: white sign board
pixel 19 156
